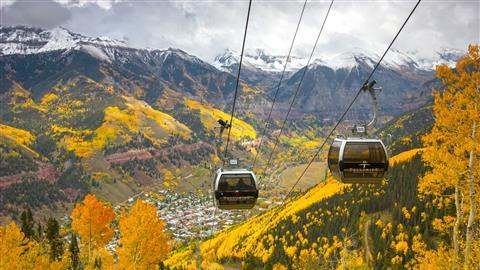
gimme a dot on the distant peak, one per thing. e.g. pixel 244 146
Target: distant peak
pixel 29 40
pixel 258 58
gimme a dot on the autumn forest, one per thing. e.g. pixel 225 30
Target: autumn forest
pixel 274 135
pixel 424 216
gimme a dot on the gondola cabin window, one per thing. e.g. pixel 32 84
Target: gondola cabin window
pixel 236 182
pixel 235 189
pixel 358 160
pixel 364 160
pixel 363 152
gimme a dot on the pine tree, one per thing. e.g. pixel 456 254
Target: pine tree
pixel 27 223
pixel 52 233
pixel 74 252
pixel 39 233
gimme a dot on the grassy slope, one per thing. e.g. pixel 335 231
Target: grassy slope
pixel 407 129
pixel 118 127
pixel 18 137
pixel 313 176
pixel 209 117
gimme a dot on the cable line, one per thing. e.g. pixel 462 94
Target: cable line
pixel 238 79
pixel 298 89
pixel 259 147
pixel 350 105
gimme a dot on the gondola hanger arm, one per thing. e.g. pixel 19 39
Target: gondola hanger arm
pixel 371 89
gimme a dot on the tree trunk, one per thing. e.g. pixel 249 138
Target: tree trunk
pixel 471 194
pixel 367 247
pixel 458 208
pixel 89 241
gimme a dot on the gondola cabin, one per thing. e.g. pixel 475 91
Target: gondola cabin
pixel 358 160
pixel 235 189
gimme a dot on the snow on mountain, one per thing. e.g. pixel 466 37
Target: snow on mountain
pixel 29 40
pixel 259 59
pixel 395 59
pixel 447 56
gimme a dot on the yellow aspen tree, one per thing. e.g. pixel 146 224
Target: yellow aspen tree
pixel 279 266
pixel 17 252
pixel 12 245
pixel 92 221
pixel 101 259
pixel 451 146
pixel 143 241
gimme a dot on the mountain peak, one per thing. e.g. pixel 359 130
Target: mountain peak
pixel 258 59
pixel 28 40
pixel 450 54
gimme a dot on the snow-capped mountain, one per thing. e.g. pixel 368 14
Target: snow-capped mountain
pixel 448 56
pixel 395 59
pixel 259 59
pixel 353 58
pixel 30 56
pixel 28 40
pixel 23 40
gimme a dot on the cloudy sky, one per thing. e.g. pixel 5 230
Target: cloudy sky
pixel 206 28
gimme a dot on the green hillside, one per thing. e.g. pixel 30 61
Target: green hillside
pixel 406 131
pixel 322 228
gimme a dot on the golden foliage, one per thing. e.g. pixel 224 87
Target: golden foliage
pixel 143 240
pixel 92 220
pixel 17 252
pixel 103 257
pixel 439 259
pixel 452 147
pixel 183 259
pixel 12 246
pixel 455 112
pixel 20 137
pixel 48 98
pixel 210 116
pixel 247 238
pixel 279 266
pixel 405 156
pixel 118 127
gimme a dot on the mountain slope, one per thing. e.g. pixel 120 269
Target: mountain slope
pixel 84 105
pixel 406 131
pixel 16 156
pixel 35 57
pixel 331 81
pixel 312 230
pixel 326 226
pixel 325 89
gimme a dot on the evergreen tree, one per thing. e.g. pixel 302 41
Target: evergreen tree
pixel 39 233
pixel 54 239
pixel 27 222
pixel 74 251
